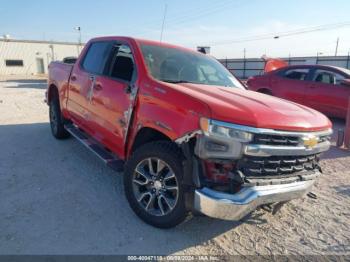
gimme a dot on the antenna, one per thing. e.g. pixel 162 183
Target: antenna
pixel 163 23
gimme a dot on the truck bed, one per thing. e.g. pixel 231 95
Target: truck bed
pixel 59 73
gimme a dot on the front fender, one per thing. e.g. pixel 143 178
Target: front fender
pixel 170 112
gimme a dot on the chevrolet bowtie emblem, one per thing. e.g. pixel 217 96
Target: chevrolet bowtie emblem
pixel 310 141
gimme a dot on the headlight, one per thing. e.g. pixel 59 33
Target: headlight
pixel 221 140
pixel 217 129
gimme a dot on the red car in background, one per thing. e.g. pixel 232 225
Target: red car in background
pixel 324 88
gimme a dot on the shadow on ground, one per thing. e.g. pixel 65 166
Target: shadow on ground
pixel 29 83
pixel 335 152
pixel 58 198
pixel 27 80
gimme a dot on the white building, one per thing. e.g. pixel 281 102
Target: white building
pixel 30 57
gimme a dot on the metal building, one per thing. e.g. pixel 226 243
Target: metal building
pixel 31 57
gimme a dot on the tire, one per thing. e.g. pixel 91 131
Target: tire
pixel 56 120
pixel 160 208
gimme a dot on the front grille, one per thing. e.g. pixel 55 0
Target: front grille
pixel 279 140
pixel 262 139
pixel 277 165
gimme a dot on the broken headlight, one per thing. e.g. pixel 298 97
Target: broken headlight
pixel 223 130
pixel 221 140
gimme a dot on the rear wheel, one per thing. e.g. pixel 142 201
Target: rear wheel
pixel 56 120
pixel 153 184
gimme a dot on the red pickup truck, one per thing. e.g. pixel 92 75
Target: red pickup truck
pixel 186 133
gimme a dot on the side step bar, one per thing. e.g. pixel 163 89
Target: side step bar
pixel 107 157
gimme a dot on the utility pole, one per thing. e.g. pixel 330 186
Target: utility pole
pixel 78 28
pixel 336 47
pixel 52 51
pixel 317 57
pixel 163 23
pixel 289 58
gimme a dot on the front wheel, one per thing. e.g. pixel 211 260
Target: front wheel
pixel 153 184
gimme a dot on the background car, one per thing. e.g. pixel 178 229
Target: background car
pixel 324 88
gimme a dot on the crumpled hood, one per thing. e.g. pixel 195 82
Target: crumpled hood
pixel 255 109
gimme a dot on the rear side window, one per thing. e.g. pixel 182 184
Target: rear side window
pixel 328 77
pixel 122 66
pixel 296 74
pixel 96 57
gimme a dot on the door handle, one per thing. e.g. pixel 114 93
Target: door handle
pixel 128 89
pixel 73 78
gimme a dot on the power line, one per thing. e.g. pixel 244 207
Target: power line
pixel 284 34
pixel 205 12
pixel 187 14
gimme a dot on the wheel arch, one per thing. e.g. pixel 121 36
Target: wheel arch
pixel 146 135
pixel 52 92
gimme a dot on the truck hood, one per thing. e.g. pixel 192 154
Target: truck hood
pixel 255 109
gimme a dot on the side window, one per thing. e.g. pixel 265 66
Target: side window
pixel 96 57
pixel 328 77
pixel 122 66
pixel 296 74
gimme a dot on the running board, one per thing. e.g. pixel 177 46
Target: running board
pixel 106 156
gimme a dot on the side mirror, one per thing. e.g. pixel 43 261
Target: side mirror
pixel 345 82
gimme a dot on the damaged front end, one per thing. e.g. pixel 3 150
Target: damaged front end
pixel 236 169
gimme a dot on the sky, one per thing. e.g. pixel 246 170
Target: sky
pixel 220 24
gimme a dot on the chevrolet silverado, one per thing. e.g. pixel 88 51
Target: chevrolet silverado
pixel 186 133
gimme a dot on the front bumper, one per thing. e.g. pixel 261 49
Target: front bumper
pixel 236 206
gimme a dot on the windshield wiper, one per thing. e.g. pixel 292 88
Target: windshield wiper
pixel 176 81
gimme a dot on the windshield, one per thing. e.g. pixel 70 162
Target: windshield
pixel 344 70
pixel 178 66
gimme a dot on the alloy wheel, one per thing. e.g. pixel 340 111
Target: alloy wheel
pixel 155 186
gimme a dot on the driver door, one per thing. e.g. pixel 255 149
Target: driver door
pixel 112 99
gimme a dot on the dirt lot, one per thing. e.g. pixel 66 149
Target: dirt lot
pixel 58 198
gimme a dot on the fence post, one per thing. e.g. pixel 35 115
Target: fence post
pixel 347 128
pixel 244 64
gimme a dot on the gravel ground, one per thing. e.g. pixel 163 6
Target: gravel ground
pixel 58 198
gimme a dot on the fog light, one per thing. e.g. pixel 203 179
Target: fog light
pixel 215 147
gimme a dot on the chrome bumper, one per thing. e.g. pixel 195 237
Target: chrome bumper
pixel 266 150
pixel 236 206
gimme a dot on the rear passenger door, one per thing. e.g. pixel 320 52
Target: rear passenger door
pixel 112 99
pixel 291 83
pixel 327 94
pixel 83 80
